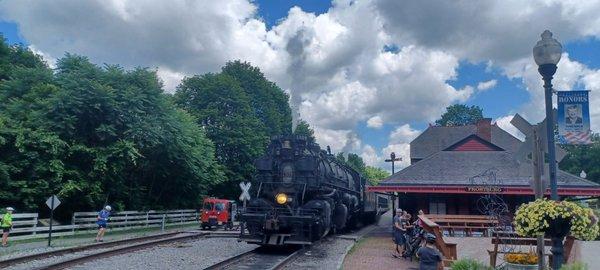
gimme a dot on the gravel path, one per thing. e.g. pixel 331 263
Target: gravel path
pixel 197 254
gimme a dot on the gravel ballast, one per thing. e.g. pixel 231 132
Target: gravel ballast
pixel 197 254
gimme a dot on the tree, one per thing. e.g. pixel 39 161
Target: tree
pixel 460 115
pixel 375 174
pixel 94 135
pixel 353 161
pixel 303 128
pixel 583 158
pixel 223 109
pixel 269 102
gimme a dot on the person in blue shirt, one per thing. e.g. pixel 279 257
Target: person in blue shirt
pixel 429 257
pixel 102 222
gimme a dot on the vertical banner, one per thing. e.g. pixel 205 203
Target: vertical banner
pixel 573 117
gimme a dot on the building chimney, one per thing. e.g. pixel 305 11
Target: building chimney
pixel 484 129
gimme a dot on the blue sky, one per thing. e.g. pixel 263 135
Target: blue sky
pixel 346 74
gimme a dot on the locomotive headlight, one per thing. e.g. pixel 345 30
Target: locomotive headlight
pixel 281 198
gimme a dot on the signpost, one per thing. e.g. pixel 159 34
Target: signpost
pixel 244 197
pixel 53 202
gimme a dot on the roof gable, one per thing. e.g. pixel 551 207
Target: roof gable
pixel 473 143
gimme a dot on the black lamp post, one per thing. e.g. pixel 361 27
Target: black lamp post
pixel 547 53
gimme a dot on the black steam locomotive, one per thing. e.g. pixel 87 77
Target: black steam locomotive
pixel 301 193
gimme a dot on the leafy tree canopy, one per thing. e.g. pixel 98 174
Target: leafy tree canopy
pixel 375 174
pixel 460 115
pixel 224 110
pixel 303 128
pixel 268 101
pixel 96 135
pixel 583 158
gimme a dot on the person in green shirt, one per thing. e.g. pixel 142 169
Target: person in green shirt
pixel 6 225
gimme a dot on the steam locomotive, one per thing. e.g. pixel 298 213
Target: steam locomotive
pixel 301 193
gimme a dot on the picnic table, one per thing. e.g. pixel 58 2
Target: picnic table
pixel 466 223
pixel 512 239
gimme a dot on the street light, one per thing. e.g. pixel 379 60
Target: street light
pixel 547 53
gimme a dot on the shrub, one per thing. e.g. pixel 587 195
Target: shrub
pixel 469 264
pixel 574 266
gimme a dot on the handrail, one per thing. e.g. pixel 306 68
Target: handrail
pixel 447 249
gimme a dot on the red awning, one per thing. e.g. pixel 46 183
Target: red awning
pixel 512 190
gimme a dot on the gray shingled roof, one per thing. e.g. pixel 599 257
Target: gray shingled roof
pixel 435 139
pixel 457 168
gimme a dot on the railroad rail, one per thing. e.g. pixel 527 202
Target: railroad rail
pixel 128 245
pixel 260 258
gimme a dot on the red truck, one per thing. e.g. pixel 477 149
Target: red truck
pixel 217 213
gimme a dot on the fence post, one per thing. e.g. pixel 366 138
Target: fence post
pixel 73 223
pixel 162 228
pixel 126 223
pixel 35 219
pixel 181 216
pixel 147 218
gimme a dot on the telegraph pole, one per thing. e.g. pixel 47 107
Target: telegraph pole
pixel 393 159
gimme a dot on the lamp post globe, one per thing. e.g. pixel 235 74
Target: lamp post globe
pixel 547 53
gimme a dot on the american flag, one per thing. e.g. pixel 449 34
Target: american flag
pixel 577 138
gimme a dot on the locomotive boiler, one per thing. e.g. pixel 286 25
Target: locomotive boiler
pixel 301 193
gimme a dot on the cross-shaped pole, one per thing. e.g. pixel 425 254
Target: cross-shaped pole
pixel 393 159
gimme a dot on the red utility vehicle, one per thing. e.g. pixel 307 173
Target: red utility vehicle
pixel 216 213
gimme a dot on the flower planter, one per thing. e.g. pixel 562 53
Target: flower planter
pixel 513 266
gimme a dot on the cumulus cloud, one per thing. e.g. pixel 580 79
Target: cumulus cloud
pixel 482 86
pixel 375 122
pixel 333 65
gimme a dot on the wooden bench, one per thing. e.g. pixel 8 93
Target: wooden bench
pixel 447 249
pixel 508 238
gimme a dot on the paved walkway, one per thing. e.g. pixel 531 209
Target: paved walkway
pixel 375 250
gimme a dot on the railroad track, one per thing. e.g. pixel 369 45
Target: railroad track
pixel 260 258
pixel 122 246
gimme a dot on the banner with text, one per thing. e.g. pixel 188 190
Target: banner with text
pixel 573 117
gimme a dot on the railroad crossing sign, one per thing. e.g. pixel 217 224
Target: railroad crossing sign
pixel 245 196
pixel 527 148
pixel 53 202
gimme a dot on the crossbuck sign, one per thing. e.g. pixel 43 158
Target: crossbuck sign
pixel 245 196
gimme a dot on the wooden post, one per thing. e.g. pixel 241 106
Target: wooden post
pixel 147 218
pixel 35 222
pixel 538 169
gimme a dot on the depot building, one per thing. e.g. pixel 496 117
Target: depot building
pixel 456 169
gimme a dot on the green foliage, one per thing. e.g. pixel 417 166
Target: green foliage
pixel 460 115
pixel 94 135
pixel 583 157
pixel 469 264
pixel 303 128
pixel 269 102
pixel 574 266
pixel 353 161
pixel 375 174
pixel 223 109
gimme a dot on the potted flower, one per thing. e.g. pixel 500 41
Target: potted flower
pixel 521 261
pixel 556 219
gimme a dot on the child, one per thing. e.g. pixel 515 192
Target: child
pixel 102 222
pixel 6 225
pixel 429 256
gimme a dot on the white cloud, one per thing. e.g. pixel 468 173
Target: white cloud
pixel 403 134
pixel 332 64
pixel 375 122
pixel 482 86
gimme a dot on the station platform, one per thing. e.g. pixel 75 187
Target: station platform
pixel 375 250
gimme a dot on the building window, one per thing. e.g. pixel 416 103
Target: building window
pixel 438 208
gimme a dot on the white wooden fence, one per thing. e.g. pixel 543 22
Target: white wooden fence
pixel 25 225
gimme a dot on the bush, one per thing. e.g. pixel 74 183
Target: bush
pixel 469 264
pixel 574 266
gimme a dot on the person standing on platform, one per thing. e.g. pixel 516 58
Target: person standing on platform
pixel 429 256
pixel 102 222
pixel 6 225
pixel 399 232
